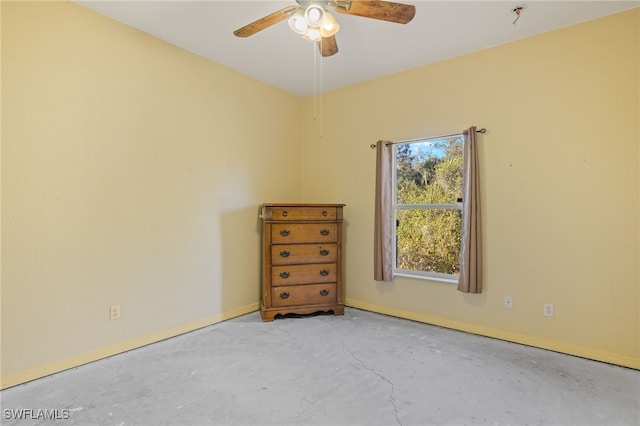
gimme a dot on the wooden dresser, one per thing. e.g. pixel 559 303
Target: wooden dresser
pixel 301 259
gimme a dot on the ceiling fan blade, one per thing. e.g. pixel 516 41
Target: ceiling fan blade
pixel 328 46
pixel 377 9
pixel 264 22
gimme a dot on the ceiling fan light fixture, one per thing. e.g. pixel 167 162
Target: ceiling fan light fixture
pixel 297 22
pixel 330 26
pixel 315 15
pixel 312 20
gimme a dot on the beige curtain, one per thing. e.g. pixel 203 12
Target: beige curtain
pixel 383 219
pixel 471 253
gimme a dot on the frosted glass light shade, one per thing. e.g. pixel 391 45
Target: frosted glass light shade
pixel 314 15
pixel 297 22
pixel 330 26
pixel 312 34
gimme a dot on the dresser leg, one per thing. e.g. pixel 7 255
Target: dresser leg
pixel 266 315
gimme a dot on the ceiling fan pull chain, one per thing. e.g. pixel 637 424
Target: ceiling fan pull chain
pixel 321 96
pixel 315 88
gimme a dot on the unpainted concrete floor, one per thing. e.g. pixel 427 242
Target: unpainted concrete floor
pixel 358 369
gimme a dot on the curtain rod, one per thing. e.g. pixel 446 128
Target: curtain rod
pixel 483 130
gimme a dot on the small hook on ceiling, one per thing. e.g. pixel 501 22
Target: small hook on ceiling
pixel 517 10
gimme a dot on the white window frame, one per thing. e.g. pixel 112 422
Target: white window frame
pixel 409 273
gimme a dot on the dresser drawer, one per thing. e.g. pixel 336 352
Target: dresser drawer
pixel 311 294
pixel 291 254
pixel 290 233
pixel 303 274
pixel 303 213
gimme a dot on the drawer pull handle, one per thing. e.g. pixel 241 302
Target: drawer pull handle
pixel 324 212
pixel 324 252
pixel 284 213
pixel 284 295
pixel 324 232
pixel 284 253
pixel 324 272
pixel 284 275
pixel 285 232
pixel 324 292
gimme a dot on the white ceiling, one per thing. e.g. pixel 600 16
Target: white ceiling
pixel 368 48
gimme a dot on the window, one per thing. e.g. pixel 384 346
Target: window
pixel 428 207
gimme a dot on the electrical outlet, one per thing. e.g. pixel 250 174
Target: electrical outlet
pixel 508 302
pixel 114 312
pixel 548 309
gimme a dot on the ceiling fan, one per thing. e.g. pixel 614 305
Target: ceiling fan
pixel 312 19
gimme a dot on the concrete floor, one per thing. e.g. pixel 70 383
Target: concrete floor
pixel 357 369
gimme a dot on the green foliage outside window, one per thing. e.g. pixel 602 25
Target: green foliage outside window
pixel 429 239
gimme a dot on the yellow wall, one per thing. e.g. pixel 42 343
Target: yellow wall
pixel 559 177
pixel 132 172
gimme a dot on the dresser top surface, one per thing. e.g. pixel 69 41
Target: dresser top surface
pixel 301 205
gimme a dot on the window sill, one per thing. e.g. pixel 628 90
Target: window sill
pixel 425 277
